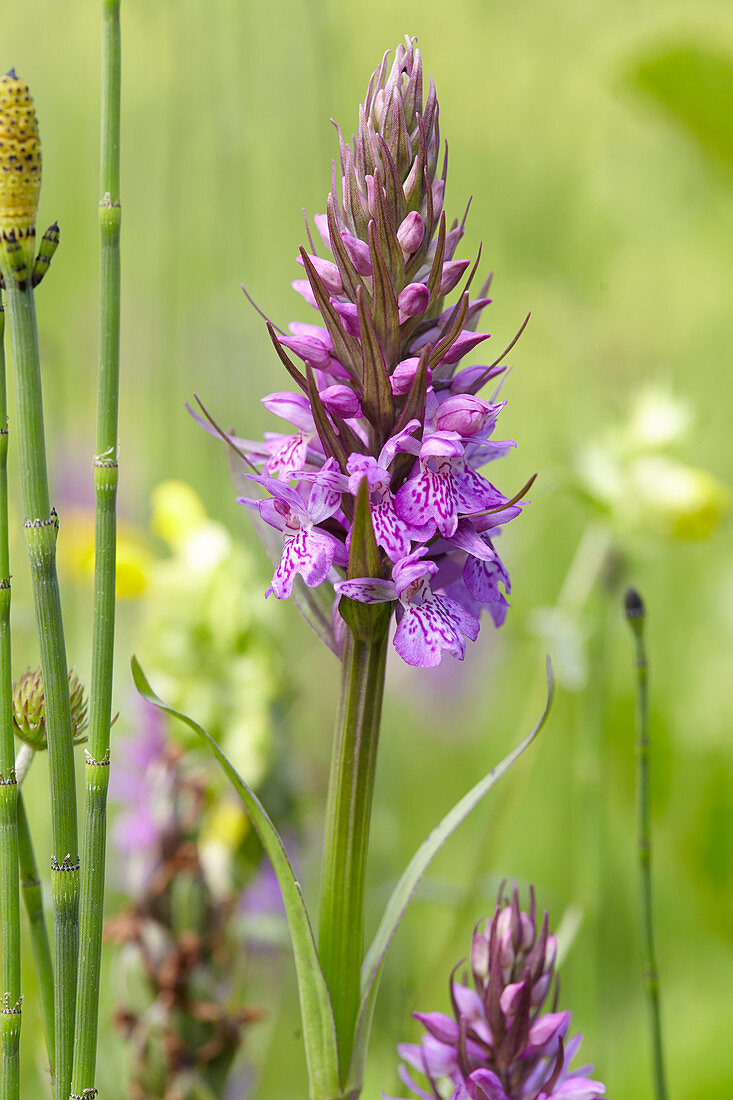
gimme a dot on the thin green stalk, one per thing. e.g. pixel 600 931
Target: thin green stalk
pixel 33 899
pixel 635 614
pixel 41 527
pixel 351 784
pixel 105 491
pixel 10 1006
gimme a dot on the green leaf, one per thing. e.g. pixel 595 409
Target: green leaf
pixel 319 1032
pixel 405 889
pixel 377 401
pixel 385 312
pixel 327 434
pixel 346 347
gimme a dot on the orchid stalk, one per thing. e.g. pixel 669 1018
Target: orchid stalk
pixel 635 616
pixel 19 193
pixel 105 490
pixel 10 1009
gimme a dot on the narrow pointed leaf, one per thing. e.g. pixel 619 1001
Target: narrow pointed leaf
pixel 346 347
pixel 455 327
pixel 287 362
pixel 385 311
pixel 436 270
pixel 319 1031
pixel 408 883
pixel 412 95
pixel 387 237
pixel 414 407
pixel 349 276
pixel 413 183
pixel 354 204
pixel 327 434
pixel 393 189
pixel 476 386
pixel 377 401
pixel 398 140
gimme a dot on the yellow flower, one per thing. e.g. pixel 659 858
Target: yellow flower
pixel 134 558
pixel 226 824
pixel 177 511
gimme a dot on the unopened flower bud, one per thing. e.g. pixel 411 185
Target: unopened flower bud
pixel 20 178
pixel 438 196
pixel 411 233
pixel 341 400
pixel 29 709
pixel 414 299
pixel 404 373
pixel 358 252
pixel 451 274
pixel 308 348
pixel 328 273
pixel 463 413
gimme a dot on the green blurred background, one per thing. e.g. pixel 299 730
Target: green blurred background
pixel 596 141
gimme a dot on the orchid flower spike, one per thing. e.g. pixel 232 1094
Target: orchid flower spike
pixel 499 1042
pixel 382 395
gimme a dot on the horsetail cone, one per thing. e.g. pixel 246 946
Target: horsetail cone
pixel 29 709
pixel 20 177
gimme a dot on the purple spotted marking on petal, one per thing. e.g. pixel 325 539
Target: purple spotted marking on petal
pixel 310 553
pixel 426 629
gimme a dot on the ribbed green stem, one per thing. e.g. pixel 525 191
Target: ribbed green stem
pixel 9 889
pixel 635 613
pixel 41 526
pixel 33 899
pixel 105 491
pixel 351 784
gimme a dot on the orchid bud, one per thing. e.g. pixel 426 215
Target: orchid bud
pixel 358 252
pixel 463 413
pixel 411 233
pixel 308 348
pixel 328 273
pixel 341 400
pixel 451 274
pixel 414 299
pixel 404 373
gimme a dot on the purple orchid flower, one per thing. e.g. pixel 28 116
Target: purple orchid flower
pixel 308 549
pixel 427 622
pixel 383 395
pixel 498 1044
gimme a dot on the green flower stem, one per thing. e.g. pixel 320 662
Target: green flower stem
pixel 351 784
pixel 105 491
pixel 10 1016
pixel 33 900
pixel 635 613
pixel 41 526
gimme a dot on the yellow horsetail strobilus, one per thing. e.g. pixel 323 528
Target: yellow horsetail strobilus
pixel 20 176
